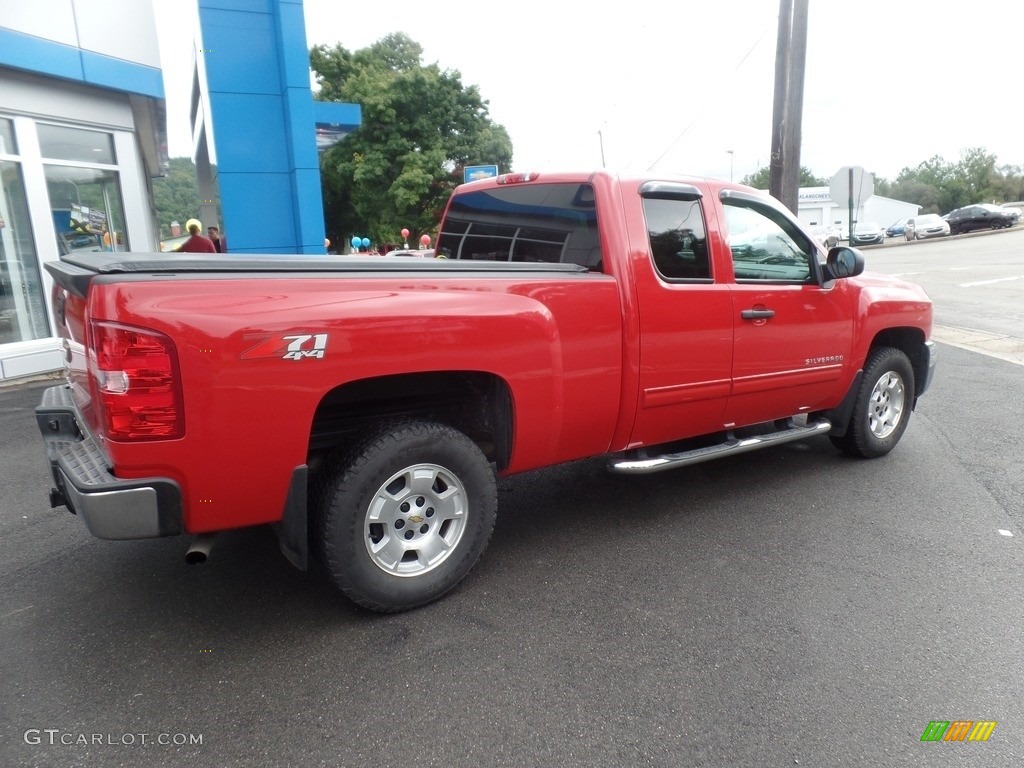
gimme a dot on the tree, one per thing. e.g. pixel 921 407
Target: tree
pixel 759 178
pixel 420 128
pixel 176 195
pixel 939 186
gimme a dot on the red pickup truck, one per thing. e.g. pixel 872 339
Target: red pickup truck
pixel 364 407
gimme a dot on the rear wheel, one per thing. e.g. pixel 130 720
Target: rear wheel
pixel 405 514
pixel 882 408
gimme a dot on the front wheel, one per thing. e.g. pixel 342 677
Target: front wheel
pixel 882 408
pixel 405 514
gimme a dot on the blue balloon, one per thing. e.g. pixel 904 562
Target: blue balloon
pixel 355 242
pixel 366 242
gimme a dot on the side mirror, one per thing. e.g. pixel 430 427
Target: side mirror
pixel 844 262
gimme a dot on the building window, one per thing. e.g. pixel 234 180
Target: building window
pixel 84 190
pixel 62 143
pixel 86 208
pixel 22 312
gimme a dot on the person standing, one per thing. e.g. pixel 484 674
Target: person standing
pixel 218 242
pixel 197 241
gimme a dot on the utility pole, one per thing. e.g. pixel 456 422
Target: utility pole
pixel 790 64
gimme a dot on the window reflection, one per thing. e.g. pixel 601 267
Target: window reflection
pixel 22 311
pixel 7 145
pixel 87 211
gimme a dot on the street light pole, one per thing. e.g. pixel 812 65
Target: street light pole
pixel 600 138
pixel 732 154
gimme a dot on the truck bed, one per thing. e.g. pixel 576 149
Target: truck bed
pixel 74 272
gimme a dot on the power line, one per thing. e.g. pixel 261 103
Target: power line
pixel 708 104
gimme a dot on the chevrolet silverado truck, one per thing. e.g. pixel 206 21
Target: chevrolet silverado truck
pixel 364 408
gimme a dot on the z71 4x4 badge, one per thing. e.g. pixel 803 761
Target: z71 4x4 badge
pixel 295 346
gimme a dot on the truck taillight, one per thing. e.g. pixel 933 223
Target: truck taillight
pixel 135 375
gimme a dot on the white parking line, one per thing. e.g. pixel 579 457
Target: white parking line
pixel 989 282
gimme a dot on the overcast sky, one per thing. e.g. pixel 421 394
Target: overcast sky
pixel 674 86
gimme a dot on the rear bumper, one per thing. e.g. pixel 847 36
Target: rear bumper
pixel 111 508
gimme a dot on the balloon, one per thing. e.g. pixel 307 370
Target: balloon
pixel 355 242
pixel 365 242
pixel 405 233
pixel 425 239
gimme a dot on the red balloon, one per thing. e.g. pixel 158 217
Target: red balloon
pixel 425 239
pixel 405 233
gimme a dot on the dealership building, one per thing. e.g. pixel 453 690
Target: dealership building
pixel 816 208
pixel 83 134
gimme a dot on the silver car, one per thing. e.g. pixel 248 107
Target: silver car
pixel 924 226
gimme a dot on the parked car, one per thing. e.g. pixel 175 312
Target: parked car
pixel 867 233
pixel 897 228
pixel 924 226
pixel 423 253
pixel 983 216
pixel 1014 211
pixel 827 236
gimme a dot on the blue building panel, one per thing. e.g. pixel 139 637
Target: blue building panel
pixel 264 123
pixel 263 221
pixel 240 52
pixel 249 130
pixel 248 6
pixel 295 60
pixel 337 113
pixel 122 75
pixel 299 105
pixel 309 209
pixel 21 51
pixel 46 57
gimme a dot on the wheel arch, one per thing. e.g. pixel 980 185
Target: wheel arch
pixel 910 341
pixel 477 403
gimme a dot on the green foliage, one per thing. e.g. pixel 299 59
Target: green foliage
pixel 759 178
pixel 176 195
pixel 939 186
pixel 420 128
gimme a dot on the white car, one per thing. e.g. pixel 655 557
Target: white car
pixel 827 236
pixel 924 226
pixel 423 253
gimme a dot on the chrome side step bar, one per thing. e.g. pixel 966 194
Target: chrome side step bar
pixel 645 465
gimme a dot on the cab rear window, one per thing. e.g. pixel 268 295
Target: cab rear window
pixel 552 223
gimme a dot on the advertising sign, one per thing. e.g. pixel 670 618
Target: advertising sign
pixel 477 172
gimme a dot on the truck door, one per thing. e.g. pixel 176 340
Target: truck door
pixel 685 320
pixel 794 335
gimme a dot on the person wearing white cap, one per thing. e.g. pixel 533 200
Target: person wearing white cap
pixel 198 242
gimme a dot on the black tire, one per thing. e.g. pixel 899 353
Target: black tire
pixel 405 514
pixel 882 408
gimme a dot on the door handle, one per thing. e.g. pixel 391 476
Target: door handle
pixel 757 314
